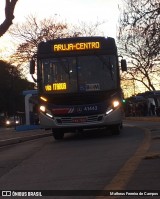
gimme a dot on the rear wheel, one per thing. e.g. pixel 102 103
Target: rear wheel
pixel 58 134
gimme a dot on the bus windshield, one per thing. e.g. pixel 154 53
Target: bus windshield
pixel 79 74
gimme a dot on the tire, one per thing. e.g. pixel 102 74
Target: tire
pixel 58 134
pixel 116 129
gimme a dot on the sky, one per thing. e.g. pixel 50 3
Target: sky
pixel 71 11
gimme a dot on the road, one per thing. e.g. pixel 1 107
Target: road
pixel 96 160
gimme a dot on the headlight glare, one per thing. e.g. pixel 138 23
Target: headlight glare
pixel 116 103
pixel 8 122
pixel 43 108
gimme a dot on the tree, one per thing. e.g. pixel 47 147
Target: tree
pixel 82 29
pixel 30 34
pixel 9 16
pixel 11 88
pixel 33 31
pixel 137 39
pixel 143 65
pixel 143 16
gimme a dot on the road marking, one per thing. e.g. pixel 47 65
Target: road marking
pixel 120 181
pixel 152 155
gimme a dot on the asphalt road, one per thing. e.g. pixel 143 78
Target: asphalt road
pixel 96 160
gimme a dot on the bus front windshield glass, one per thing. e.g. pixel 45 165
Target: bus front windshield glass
pixel 79 74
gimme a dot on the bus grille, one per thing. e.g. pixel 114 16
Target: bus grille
pixel 79 120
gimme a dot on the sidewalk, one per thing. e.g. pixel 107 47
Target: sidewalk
pixel 147 118
pixel 147 175
pixel 10 136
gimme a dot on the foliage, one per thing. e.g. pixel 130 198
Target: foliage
pixel 139 41
pixel 11 88
pixel 143 16
pixel 32 32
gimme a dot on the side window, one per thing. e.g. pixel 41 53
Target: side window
pixel 53 74
pixel 45 69
pixel 49 72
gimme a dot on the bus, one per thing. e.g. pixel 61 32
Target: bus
pixel 78 81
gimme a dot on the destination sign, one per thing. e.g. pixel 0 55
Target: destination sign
pixel 56 87
pixel 76 46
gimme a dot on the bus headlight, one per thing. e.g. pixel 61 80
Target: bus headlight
pixel 113 106
pixel 42 108
pixel 115 103
pixel 47 112
pixel 109 110
pixel 49 115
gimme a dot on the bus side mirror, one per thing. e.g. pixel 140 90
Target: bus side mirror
pixel 32 67
pixel 123 65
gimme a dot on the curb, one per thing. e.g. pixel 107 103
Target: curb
pixel 151 119
pixel 32 137
pixel 22 139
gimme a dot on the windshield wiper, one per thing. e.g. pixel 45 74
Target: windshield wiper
pixel 65 68
pixel 109 66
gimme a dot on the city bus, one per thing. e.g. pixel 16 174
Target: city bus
pixel 78 81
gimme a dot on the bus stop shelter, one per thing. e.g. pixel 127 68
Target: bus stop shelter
pixel 30 101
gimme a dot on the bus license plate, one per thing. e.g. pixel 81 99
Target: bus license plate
pixel 79 120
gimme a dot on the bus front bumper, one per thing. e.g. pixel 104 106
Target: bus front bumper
pixel 90 121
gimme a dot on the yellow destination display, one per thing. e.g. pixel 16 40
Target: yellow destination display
pixel 56 87
pixel 76 46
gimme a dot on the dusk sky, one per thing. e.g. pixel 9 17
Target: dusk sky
pixel 71 11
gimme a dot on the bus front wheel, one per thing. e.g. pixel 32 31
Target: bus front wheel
pixel 57 134
pixel 116 129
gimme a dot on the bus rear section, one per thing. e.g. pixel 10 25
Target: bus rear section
pixel 79 85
